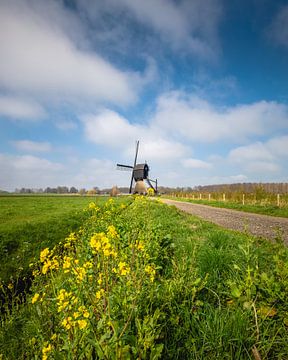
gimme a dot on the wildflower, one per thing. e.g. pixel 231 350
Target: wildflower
pixel 80 273
pixel 44 254
pixel 67 323
pixel 112 232
pixel 53 337
pixel 46 266
pixel 140 245
pixel 88 265
pixel 150 270
pixel 45 351
pixel 67 264
pixel 99 294
pixel 10 286
pixel 76 314
pixel 35 298
pixel 95 241
pixel 82 324
pixel 123 268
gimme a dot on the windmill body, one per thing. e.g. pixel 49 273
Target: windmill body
pixel 140 172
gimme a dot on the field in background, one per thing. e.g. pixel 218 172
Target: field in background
pixel 259 202
pixel 29 223
pixel 143 280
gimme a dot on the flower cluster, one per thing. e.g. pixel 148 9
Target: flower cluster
pixel 49 261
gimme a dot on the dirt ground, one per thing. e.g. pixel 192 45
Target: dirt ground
pixel 259 225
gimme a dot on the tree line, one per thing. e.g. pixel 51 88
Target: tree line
pixel 274 188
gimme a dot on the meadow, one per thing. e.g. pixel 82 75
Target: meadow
pixel 30 223
pixel 140 280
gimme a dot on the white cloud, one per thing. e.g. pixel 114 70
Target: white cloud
pixel 197 120
pixel 17 108
pixel 278 146
pixel 189 26
pixel 196 164
pixel 261 157
pixel 278 29
pixel 32 146
pixel 37 56
pixel 114 131
pixel 27 171
pixel 257 151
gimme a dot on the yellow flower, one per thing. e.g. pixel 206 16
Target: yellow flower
pixel 76 314
pixel 35 298
pixel 112 232
pixel 44 254
pixel 99 294
pixel 53 337
pixel 10 286
pixel 67 323
pixel 46 267
pixel 45 351
pixel 82 324
pixel 95 241
pixel 67 263
pixel 150 270
pixel 140 245
pixel 123 268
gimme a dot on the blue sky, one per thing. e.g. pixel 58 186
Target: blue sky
pixel 201 84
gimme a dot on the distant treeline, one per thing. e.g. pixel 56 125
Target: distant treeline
pixel 274 188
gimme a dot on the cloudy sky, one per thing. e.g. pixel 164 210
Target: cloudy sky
pixel 202 84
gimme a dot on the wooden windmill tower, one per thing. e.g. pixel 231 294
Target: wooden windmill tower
pixel 140 175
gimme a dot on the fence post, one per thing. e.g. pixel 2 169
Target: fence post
pixel 278 199
pixel 209 197
pixel 193 197
pixel 200 196
pixel 224 197
pixel 243 199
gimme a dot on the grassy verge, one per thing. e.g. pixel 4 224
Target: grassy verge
pixel 146 281
pixel 271 210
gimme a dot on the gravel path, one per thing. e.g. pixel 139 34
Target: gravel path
pixel 258 225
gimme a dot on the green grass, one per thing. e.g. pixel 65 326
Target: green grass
pixel 272 210
pixel 211 297
pixel 30 223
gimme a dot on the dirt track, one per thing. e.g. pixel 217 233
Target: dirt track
pixel 258 225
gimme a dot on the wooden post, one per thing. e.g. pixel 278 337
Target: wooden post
pixel 243 199
pixel 193 196
pixel 209 197
pixel 224 198
pixel 278 199
pixel 200 196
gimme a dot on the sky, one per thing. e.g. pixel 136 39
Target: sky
pixel 203 85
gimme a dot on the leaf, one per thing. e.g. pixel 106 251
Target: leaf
pixel 236 292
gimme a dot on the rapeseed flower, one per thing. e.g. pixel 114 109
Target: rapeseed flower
pixel 82 324
pixel 124 269
pixel 35 298
pixel 150 270
pixel 45 351
pixel 99 294
pixel 44 254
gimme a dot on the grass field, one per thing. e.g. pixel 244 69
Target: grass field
pixel 141 280
pixel 265 208
pixel 30 223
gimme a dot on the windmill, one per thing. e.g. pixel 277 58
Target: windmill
pixel 140 172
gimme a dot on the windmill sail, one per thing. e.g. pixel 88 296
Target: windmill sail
pixel 124 167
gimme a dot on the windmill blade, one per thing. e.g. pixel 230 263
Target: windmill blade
pixel 135 161
pixel 124 167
